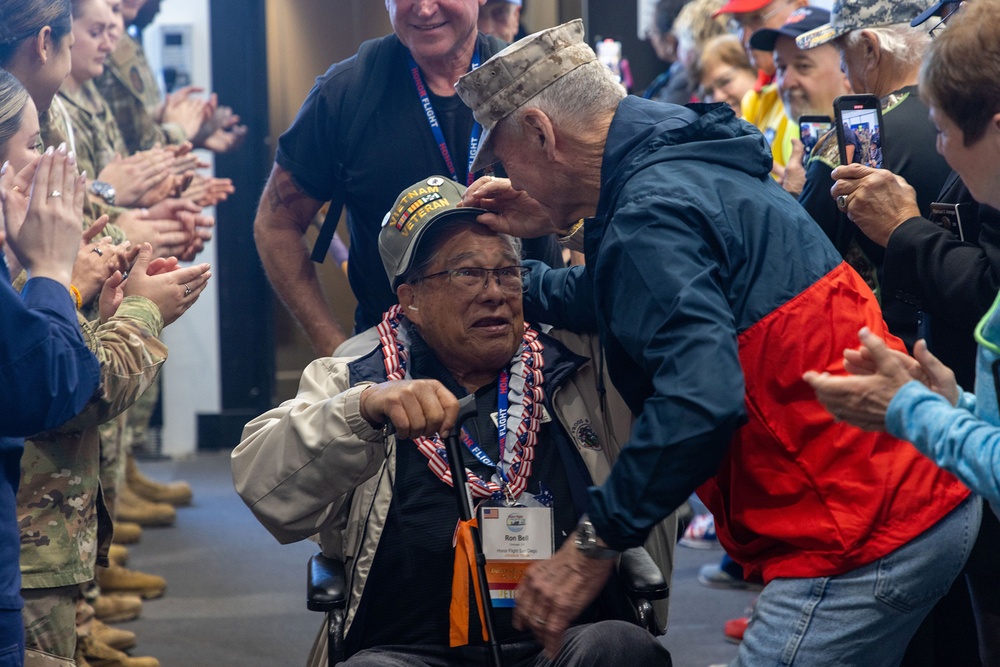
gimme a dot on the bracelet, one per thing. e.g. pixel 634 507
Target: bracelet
pixel 76 296
pixel 570 239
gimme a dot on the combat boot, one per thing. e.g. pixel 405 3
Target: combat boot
pixel 116 579
pixel 126 532
pixel 118 554
pixel 138 510
pixel 116 638
pixel 98 654
pixel 172 493
pixel 117 607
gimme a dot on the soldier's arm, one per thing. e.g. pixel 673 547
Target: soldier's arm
pixel 131 354
pixel 283 216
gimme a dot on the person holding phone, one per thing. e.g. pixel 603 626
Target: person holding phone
pixel 927 275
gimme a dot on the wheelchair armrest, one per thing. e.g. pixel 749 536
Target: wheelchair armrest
pixel 326 584
pixel 640 576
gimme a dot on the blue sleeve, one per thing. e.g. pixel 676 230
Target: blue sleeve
pixel 563 298
pixel 47 374
pixel 952 437
pixel 671 324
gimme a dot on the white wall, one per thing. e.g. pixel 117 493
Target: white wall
pixel 191 382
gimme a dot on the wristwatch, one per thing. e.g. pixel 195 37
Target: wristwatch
pixel 104 190
pixel 586 541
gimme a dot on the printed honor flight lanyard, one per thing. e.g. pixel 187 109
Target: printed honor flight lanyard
pixel 425 101
pixel 477 451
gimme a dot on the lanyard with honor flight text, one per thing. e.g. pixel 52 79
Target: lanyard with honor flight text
pixel 477 451
pixel 425 101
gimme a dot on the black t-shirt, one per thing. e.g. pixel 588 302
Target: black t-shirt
pixel 408 591
pixel 398 150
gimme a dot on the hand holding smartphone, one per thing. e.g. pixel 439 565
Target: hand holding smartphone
pixel 859 129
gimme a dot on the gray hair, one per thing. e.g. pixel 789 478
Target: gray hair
pixel 572 101
pixel 904 45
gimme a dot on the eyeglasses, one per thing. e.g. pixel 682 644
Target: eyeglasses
pixel 740 24
pixel 511 279
pixel 948 10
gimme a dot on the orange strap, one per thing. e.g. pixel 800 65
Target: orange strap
pixel 465 564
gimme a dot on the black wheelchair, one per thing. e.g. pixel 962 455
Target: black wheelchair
pixel 638 577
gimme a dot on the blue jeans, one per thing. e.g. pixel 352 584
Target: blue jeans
pixel 864 617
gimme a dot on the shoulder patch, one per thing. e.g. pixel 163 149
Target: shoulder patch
pixel 585 435
pixel 136 80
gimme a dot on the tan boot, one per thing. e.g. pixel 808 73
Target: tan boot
pixel 114 637
pixel 126 532
pixel 98 654
pixel 173 493
pixel 118 554
pixel 117 607
pixel 138 510
pixel 116 579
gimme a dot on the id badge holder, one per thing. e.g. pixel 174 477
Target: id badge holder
pixel 513 538
pixel 948 216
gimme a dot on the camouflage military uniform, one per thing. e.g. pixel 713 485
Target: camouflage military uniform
pixel 130 88
pixel 65 526
pixel 54 131
pixel 92 132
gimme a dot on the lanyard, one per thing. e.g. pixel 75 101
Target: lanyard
pixel 425 101
pixel 502 410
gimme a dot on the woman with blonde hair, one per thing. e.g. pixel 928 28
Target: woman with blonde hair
pixel 724 72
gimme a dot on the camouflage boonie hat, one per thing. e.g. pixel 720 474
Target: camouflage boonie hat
pixel 513 76
pixel 848 15
pixel 417 209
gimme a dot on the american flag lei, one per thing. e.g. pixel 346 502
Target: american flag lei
pixel 524 417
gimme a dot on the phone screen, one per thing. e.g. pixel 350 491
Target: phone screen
pixel 859 130
pixel 811 128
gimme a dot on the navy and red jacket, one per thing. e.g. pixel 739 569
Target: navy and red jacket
pixel 715 291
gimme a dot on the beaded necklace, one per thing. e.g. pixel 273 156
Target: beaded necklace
pixel 523 423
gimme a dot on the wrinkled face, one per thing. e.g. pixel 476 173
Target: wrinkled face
pixel 978 164
pixel 119 21
pixel 499 18
pixel 809 80
pixel 92 30
pixel 529 171
pixel 725 83
pixel 468 329
pixel 21 148
pixel 434 29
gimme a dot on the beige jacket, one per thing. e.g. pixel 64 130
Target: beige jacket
pixel 314 465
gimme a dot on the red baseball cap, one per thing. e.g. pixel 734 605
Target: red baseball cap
pixel 741 7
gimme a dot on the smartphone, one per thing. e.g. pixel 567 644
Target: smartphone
pixel 859 129
pixel 811 128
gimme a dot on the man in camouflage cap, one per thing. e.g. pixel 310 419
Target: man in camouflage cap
pixel 848 15
pixel 708 281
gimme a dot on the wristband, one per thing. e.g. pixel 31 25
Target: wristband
pixel 76 296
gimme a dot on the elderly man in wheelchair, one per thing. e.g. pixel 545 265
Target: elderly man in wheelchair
pixel 356 457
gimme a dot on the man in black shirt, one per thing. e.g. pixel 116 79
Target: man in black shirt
pixel 371 125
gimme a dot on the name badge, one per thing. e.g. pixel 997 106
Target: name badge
pixel 512 538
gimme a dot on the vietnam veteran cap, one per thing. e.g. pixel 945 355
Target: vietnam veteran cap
pixel 417 209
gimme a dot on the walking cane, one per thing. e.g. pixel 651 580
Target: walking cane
pixel 467 409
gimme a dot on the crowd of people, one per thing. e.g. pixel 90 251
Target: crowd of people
pixel 645 300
